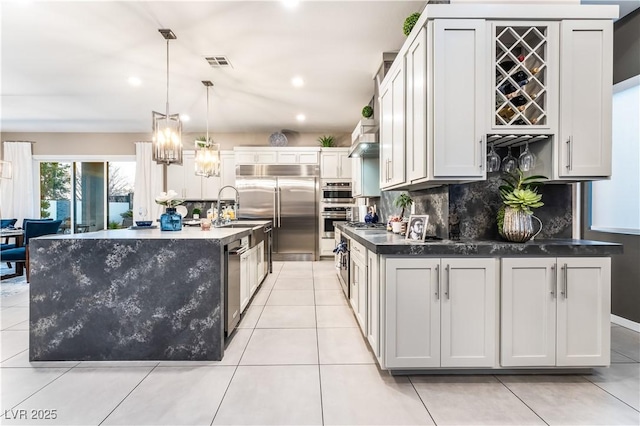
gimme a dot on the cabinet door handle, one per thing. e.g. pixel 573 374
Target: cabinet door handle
pixel 566 281
pixel 437 282
pixel 554 287
pixel 446 292
pixel 481 154
pixel 569 155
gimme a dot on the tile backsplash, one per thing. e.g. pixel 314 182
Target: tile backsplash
pixel 476 205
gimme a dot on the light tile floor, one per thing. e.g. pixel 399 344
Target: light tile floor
pixel 299 358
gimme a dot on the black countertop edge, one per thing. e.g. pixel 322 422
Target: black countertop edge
pixel 387 243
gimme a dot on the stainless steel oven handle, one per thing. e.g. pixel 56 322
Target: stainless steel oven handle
pixel 337 216
pixel 275 205
pixel 279 207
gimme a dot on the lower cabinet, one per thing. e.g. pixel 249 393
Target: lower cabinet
pixel 358 291
pixel 245 286
pixel 440 312
pixel 373 304
pixel 555 312
pixel 251 273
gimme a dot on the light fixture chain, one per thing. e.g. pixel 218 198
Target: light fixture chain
pixel 208 142
pixel 167 77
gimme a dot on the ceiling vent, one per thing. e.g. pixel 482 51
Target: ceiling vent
pixel 218 61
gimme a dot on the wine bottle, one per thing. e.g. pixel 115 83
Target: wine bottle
pixel 507 65
pixel 519 100
pixel 507 112
pixel 507 88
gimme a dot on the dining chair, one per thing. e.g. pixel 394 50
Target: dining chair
pixel 7 223
pixel 32 229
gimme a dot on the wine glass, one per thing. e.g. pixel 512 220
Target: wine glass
pixel 509 163
pixel 493 160
pixel 527 160
pixel 142 213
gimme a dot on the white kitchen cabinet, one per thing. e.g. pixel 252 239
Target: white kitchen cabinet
pixel 183 178
pixel 227 174
pixel 365 177
pixel 245 283
pixel 416 105
pixel 255 156
pixel 392 128
pixel 358 291
pixel 586 68
pixel 260 262
pixel 373 304
pixel 440 312
pixel 297 157
pixel 555 312
pixel 335 163
pixel 459 87
pixel 253 270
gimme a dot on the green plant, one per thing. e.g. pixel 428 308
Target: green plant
pixel 326 141
pixel 521 192
pixel 196 211
pixel 367 111
pixel 202 141
pixel 114 225
pixel 404 202
pixel 128 213
pixel 410 22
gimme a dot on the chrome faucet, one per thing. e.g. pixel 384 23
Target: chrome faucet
pixel 218 222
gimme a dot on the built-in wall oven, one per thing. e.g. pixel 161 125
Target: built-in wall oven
pixel 336 193
pixel 329 214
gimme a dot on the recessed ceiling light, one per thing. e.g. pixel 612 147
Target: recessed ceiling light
pixel 135 81
pixel 300 117
pixel 290 4
pixel 184 117
pixel 297 81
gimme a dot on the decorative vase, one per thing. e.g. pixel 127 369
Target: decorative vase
pixel 518 226
pixel 170 220
pixel 399 227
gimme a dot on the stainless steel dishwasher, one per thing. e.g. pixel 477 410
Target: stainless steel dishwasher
pixel 232 284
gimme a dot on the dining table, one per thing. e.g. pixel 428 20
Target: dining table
pixel 18 236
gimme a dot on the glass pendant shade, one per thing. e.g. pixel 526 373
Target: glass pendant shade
pixel 208 159
pixel 207 162
pixel 167 138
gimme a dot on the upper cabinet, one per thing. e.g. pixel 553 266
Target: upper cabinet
pixel 268 155
pixel 183 178
pixel 486 75
pixel 586 64
pixel 335 163
pixel 392 128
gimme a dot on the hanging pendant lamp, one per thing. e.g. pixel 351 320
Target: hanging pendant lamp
pixel 207 152
pixel 167 128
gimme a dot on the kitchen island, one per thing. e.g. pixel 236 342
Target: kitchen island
pixel 477 305
pixel 130 294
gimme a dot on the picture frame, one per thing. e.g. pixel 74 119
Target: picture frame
pixel 417 227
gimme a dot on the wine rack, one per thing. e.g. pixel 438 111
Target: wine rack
pixel 521 84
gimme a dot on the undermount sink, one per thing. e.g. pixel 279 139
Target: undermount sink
pixel 239 225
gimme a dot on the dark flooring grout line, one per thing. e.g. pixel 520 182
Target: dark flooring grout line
pixel 69 369
pixel 315 312
pixel 601 388
pixel 127 395
pixel 520 399
pixel 424 404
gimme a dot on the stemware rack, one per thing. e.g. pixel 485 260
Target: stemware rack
pixel 521 75
pixel 503 141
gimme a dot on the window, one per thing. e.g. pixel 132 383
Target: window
pixel 87 195
pixel 615 204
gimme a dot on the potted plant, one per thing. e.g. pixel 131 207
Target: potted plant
pixel 202 141
pixel 519 196
pixel 326 141
pixel 196 213
pixel 404 202
pixel 367 111
pixel 410 22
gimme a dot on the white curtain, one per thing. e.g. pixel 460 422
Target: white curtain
pixel 18 194
pixel 148 184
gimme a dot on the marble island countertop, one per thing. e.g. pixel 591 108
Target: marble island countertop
pixel 225 234
pixel 388 243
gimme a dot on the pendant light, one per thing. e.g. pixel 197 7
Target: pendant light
pixel 167 128
pixel 207 152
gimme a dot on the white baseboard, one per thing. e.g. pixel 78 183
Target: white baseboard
pixel 623 322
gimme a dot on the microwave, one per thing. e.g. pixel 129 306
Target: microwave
pixel 336 192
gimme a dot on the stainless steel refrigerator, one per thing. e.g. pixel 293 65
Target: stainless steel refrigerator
pixel 287 195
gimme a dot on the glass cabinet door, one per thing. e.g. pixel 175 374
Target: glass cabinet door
pixel 525 65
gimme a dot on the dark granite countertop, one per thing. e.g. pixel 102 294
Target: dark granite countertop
pixel 388 243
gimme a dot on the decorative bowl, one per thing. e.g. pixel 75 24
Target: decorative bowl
pixel 144 222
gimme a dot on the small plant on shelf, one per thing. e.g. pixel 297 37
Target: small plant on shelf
pixel 202 141
pixel 404 202
pixel 367 111
pixel 520 193
pixel 326 141
pixel 410 22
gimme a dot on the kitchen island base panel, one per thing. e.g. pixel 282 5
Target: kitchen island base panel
pixel 126 299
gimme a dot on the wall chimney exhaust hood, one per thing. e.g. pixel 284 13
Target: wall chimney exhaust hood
pixel 364 139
